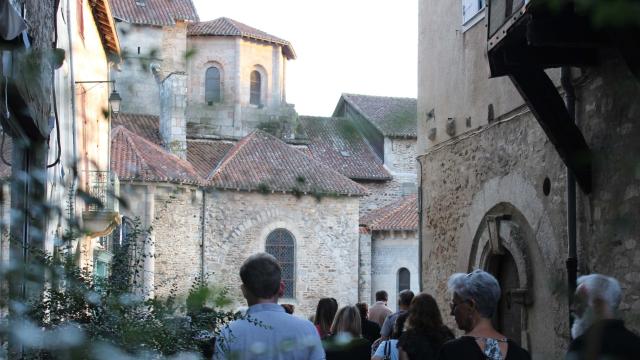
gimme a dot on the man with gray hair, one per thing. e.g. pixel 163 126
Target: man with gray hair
pixel 596 330
pixel 267 331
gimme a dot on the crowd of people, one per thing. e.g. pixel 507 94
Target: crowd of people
pixel 416 330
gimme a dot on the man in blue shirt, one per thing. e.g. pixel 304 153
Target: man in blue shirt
pixel 267 332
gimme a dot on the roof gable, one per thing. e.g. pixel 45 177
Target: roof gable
pixel 135 158
pixel 399 215
pixel 339 145
pixel 228 27
pixel 261 162
pixel 154 12
pixel 392 116
pixel 205 155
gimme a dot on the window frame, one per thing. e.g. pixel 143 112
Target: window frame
pixel 219 85
pixel 290 284
pixel 252 91
pixel 478 14
pixel 400 282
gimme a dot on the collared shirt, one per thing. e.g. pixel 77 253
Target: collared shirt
pixel 389 322
pixel 268 332
pixel 378 312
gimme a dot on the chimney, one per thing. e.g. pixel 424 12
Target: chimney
pixel 173 105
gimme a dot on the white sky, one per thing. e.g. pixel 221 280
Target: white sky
pixel 352 46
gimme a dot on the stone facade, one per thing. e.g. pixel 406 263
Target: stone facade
pixel 498 170
pixel 236 225
pixel 390 252
pixel 326 239
pixel 141 49
pixel 173 104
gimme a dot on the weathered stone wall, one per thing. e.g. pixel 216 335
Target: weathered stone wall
pixel 173 104
pixel 500 165
pixel 400 156
pixel 141 48
pixel 178 237
pixel 391 251
pixel 326 238
pixel 609 117
pixel 364 273
pixel 381 193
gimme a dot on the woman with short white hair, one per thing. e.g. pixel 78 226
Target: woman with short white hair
pixel 475 298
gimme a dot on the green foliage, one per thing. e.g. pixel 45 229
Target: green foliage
pixel 99 318
pixel 263 188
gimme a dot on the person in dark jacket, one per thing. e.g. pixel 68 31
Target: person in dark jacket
pixel 370 329
pixel 425 332
pixel 475 299
pixel 597 332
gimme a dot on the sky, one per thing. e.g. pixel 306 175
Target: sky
pixel 348 46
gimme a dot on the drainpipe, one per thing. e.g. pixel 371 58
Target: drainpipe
pixel 572 256
pixel 420 227
pixel 73 104
pixel 203 268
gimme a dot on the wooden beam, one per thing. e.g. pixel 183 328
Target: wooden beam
pixel 547 106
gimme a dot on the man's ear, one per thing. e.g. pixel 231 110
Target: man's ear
pixel 281 289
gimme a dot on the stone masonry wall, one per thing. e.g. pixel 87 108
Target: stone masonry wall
pixel 391 251
pixel 381 193
pixel 326 238
pixel 400 156
pixel 141 47
pixel 173 124
pixel 502 164
pixel 177 230
pixel 364 275
pixel 609 116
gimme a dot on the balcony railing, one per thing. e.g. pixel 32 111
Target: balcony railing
pixel 104 189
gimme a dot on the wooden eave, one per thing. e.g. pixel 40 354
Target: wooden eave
pixel 106 26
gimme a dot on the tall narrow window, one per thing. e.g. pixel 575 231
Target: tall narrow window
pixel 404 279
pixel 256 84
pixel 281 245
pixel 212 86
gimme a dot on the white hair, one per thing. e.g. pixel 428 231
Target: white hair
pixel 479 286
pixel 602 287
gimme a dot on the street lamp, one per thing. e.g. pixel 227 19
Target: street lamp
pixel 114 102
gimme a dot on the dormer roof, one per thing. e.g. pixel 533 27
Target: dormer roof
pixel 228 27
pixel 394 117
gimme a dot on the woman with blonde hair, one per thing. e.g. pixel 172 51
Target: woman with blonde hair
pixel 346 341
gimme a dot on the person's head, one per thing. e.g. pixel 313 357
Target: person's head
pixel 364 310
pixel 261 279
pixel 404 299
pixel 288 308
pixel 398 326
pixel 424 314
pixel 325 312
pixel 347 320
pixel 597 297
pixel 475 296
pixel 382 296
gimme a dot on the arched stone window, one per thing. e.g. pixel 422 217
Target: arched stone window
pixel 212 86
pixel 280 243
pixel 256 88
pixel 404 279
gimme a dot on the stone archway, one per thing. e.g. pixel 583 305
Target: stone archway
pixel 500 247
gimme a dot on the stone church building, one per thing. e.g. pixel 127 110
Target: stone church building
pixel 212 159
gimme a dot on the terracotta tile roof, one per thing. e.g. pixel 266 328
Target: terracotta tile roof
pixel 228 27
pixel 135 158
pixel 338 144
pixel 205 155
pixel 399 215
pixel 261 162
pixel 154 12
pixel 392 116
pixel 7 151
pixel 147 126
